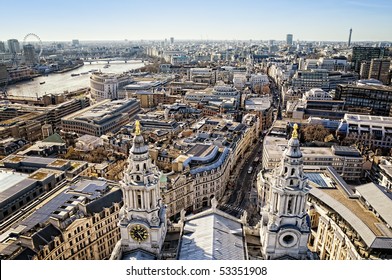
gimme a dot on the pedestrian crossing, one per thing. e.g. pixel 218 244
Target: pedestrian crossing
pixel 232 208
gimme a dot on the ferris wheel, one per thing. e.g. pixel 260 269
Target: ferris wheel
pixel 37 42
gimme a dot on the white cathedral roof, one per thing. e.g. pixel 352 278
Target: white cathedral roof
pixel 212 235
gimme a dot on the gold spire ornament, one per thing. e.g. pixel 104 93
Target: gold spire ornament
pixel 295 131
pixel 137 127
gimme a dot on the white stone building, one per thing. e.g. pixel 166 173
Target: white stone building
pixel 108 86
pixel 284 225
pixel 143 223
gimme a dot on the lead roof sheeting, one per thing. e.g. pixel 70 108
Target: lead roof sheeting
pixel 366 234
pixel 138 255
pixel 43 213
pixel 317 178
pixel 9 179
pixel 381 203
pixel 20 187
pixel 88 187
pixel 212 237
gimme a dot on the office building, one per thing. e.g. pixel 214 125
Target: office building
pixel 29 55
pixel 366 95
pixel 364 70
pixel 20 189
pixel 361 54
pixel 202 173
pixel 307 79
pixel 379 70
pixel 203 75
pixel 263 109
pixel 347 161
pixel 368 131
pixel 289 39
pixel 108 86
pixel 102 117
pixel 2 47
pixel 258 81
pixel 13 46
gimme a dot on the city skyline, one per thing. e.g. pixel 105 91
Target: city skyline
pixel 217 20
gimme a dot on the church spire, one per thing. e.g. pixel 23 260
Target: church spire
pixel 284 227
pixel 143 222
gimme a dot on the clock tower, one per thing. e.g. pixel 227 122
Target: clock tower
pixel 142 217
pixel 284 223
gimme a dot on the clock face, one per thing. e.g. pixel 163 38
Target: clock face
pixel 139 233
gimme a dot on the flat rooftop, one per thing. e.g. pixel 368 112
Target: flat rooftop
pixel 370 227
pixel 63 203
pixel 10 179
pixel 321 179
pixel 257 104
pixel 99 110
pixel 368 119
pixel 276 146
pixel 200 150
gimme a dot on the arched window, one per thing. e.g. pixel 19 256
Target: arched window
pixel 144 166
pixel 289 206
pixel 137 178
pixel 292 171
pixel 137 167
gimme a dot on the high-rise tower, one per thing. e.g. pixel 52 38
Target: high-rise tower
pixel 289 39
pixel 349 37
pixel 284 223
pixel 143 217
pixel 29 54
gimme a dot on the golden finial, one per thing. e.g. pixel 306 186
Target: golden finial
pixel 295 132
pixel 137 127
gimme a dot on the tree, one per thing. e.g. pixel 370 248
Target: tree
pixel 266 89
pixel 314 133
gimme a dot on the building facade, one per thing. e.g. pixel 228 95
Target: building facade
pixel 108 86
pixel 367 131
pixel 358 96
pixel 347 161
pixel 101 118
pixel 379 70
pixel 361 54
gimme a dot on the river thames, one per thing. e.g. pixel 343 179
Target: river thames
pixel 60 82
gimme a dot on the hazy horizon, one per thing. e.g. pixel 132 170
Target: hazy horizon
pixel 203 20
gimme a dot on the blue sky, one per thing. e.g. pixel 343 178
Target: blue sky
pixel 310 20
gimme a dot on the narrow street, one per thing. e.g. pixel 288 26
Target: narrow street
pixel 239 194
pixel 238 197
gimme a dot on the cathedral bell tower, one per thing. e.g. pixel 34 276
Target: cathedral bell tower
pixel 284 223
pixel 142 217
